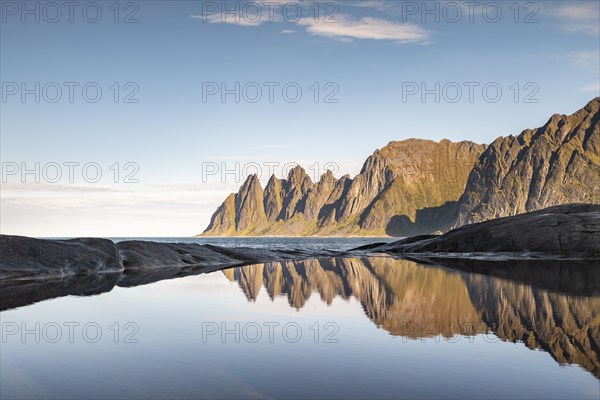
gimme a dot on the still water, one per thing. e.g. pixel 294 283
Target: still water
pixel 373 327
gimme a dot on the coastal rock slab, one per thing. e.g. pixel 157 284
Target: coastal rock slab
pixel 23 257
pixel 137 254
pixel 565 231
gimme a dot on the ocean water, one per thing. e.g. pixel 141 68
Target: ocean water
pixel 278 243
pixel 370 327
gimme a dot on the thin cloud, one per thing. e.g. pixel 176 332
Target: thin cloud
pixel 347 29
pixel 586 60
pixel 592 87
pixel 579 18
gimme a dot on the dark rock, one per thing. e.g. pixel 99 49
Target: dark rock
pixel 29 258
pixel 136 254
pixel 23 257
pixel 567 231
pixel 22 292
pixel 427 220
pixel 570 277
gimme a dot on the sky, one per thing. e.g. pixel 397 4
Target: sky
pixel 138 118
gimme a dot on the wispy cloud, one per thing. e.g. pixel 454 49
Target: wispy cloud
pixel 579 17
pixel 347 29
pixel 588 60
pixel 343 27
pixel 592 87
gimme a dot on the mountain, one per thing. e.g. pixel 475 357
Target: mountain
pixel 416 186
pixel 407 187
pixel 556 164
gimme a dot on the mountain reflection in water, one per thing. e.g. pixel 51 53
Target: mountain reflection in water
pixel 553 306
pixel 549 305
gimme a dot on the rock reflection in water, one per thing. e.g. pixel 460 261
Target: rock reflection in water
pixel 548 305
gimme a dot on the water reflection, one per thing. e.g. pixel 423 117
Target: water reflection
pixel 549 305
pixel 552 306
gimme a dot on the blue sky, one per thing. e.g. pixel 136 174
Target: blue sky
pixel 367 54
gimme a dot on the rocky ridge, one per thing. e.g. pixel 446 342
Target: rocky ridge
pixel 415 186
pixel 558 163
pixel 404 185
pixel 29 258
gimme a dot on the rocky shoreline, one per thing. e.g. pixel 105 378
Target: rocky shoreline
pixel 569 232
pixel 29 258
pixel 542 247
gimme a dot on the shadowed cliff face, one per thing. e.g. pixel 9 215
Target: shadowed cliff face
pixel 556 164
pixel 398 181
pixel 417 301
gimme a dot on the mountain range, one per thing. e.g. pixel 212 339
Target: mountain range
pixel 419 186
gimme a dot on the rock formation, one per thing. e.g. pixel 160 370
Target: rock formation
pixel 24 258
pixel 558 163
pixel 566 231
pixel 570 231
pixel 28 257
pixel 415 186
pixel 406 187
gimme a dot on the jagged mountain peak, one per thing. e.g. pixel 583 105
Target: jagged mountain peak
pixel 327 177
pixel 251 181
pixel 297 206
pixel 297 174
pixel 273 180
